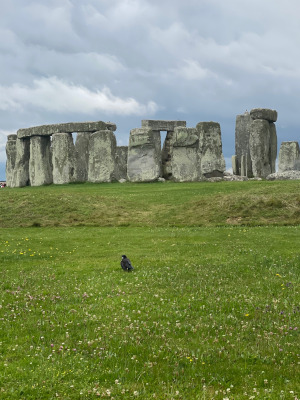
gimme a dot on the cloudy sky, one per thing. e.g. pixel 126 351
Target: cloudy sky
pixel 128 60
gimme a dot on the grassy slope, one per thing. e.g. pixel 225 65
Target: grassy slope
pixel 209 312
pixel 173 204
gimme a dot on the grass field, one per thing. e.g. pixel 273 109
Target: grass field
pixel 211 310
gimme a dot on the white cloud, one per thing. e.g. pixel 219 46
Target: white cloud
pixel 55 95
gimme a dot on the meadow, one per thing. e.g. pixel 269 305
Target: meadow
pixel 211 310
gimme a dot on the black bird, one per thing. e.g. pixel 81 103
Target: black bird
pixel 126 264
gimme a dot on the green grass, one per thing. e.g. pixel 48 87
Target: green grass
pixel 210 312
pixel 159 204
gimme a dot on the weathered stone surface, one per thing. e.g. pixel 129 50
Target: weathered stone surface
pixel 273 147
pixel 264 113
pixel 121 162
pixel 289 157
pixel 144 155
pixel 69 127
pixel 287 175
pixel 243 165
pixel 166 156
pixel 40 163
pixel 234 164
pixel 185 160
pixel 11 153
pixel 82 144
pixel 162 125
pixel 20 176
pixel 63 158
pixel 259 143
pixel 212 162
pixel 242 135
pixel 233 178
pixel 102 156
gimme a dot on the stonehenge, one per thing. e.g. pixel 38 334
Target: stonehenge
pixel 47 154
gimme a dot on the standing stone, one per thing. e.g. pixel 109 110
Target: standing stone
pixel 212 162
pixel 242 135
pixel 11 153
pixel 166 157
pixel 21 172
pixel 40 163
pixel 63 158
pixel 121 162
pixel 234 164
pixel 185 158
pixel 273 147
pixel 259 143
pixel 243 165
pixel 102 151
pixel 289 157
pixel 144 155
pixel 82 144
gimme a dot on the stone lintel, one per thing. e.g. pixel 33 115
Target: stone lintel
pixel 69 127
pixel 162 125
pixel 264 113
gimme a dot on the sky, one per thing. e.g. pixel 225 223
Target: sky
pixel 127 60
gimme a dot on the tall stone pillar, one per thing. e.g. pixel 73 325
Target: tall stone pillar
pixel 63 158
pixel 11 153
pixel 289 157
pixel 185 159
pixel 260 148
pixel 166 156
pixel 20 174
pixel 121 162
pixel 102 151
pixel 144 155
pixel 82 144
pixel 242 135
pixel 263 141
pixel 212 162
pixel 273 147
pixel 40 163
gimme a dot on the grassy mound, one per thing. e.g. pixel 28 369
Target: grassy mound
pixel 158 204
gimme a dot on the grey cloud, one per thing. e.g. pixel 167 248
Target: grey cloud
pixel 126 60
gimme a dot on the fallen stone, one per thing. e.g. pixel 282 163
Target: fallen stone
pixel 286 175
pixel 264 113
pixel 122 181
pixel 233 178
